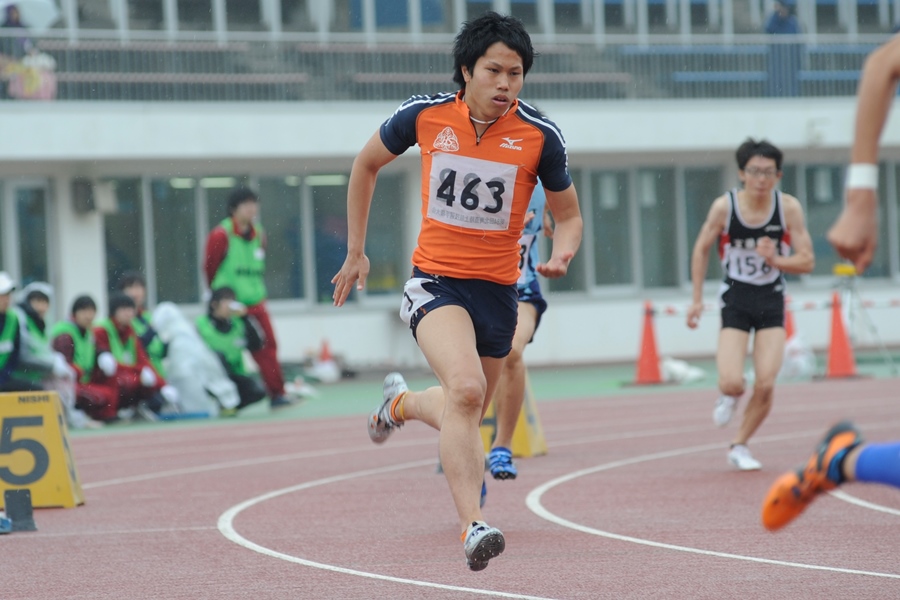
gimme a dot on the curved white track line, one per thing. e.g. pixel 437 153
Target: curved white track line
pixel 533 501
pixel 226 527
pixel 864 503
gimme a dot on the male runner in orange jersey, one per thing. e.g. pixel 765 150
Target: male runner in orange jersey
pixel 482 151
pixel 842 456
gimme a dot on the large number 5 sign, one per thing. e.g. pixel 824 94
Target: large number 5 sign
pixel 8 446
pixel 34 450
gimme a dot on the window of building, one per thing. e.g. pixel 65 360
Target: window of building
pixel 329 206
pixel 388 256
pixel 824 201
pixel 612 231
pixel 575 279
pixel 175 245
pixel 280 216
pixel 701 187
pixel 124 231
pixel 656 207
pixel 31 217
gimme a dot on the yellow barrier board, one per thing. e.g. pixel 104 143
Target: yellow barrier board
pixel 528 437
pixel 34 450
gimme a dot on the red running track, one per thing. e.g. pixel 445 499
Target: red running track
pixel 633 500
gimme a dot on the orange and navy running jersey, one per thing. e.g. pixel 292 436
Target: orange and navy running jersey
pixel 475 191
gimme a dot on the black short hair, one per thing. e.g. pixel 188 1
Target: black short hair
pixel 36 295
pixel 764 148
pixel 479 34
pixel 222 293
pixel 120 300
pixel 131 278
pixel 83 302
pixel 240 195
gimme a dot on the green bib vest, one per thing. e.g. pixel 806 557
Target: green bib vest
pixel 85 350
pixel 230 345
pixel 125 354
pixel 156 350
pixel 244 266
pixel 8 337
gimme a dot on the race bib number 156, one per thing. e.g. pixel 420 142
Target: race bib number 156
pixel 470 192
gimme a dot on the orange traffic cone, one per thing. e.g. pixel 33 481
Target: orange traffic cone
pixel 648 361
pixel 789 329
pixel 840 354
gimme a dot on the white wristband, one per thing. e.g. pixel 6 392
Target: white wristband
pixel 862 177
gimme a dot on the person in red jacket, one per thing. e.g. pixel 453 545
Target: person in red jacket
pixel 236 258
pixel 74 340
pixel 122 361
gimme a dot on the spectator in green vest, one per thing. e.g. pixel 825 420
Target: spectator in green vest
pixel 122 361
pixel 134 285
pixel 236 258
pixel 228 332
pixel 73 338
pixel 38 362
pixel 10 341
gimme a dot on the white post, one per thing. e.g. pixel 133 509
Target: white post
pixel 671 11
pixel 755 15
pixel 414 7
pixel 587 12
pixel 118 10
pixel 712 12
pixel 170 18
pixel 70 14
pixel 546 17
pixel 459 13
pixel 852 20
pixel 728 21
pixel 503 7
pixel 643 23
pixel 600 22
pixel 884 14
pixel 684 20
pixel 220 21
pixel 320 14
pixel 628 11
pixel 369 26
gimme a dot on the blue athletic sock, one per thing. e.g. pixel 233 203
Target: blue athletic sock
pixel 879 463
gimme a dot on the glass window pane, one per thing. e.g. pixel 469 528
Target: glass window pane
pixel 175 241
pixel 124 232
pixel 389 263
pixel 701 187
pixel 612 228
pixel 824 189
pixel 656 202
pixel 329 200
pixel 280 215
pixel 576 277
pixel 31 214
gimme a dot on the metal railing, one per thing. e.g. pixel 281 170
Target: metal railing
pixel 258 69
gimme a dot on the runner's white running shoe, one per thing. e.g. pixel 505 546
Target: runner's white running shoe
pixel 740 457
pixel 724 410
pixel 482 543
pixel 381 424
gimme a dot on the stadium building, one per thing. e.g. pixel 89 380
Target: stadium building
pixel 121 157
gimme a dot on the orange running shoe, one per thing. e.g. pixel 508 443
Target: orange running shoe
pixel 792 492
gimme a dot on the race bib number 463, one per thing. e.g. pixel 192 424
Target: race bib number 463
pixel 470 192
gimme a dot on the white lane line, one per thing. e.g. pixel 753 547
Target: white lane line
pixel 95 533
pixel 226 527
pixel 864 503
pixel 248 462
pixel 533 502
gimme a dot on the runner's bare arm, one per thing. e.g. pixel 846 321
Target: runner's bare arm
pixel 355 269
pixel 802 259
pixel 567 231
pixel 855 233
